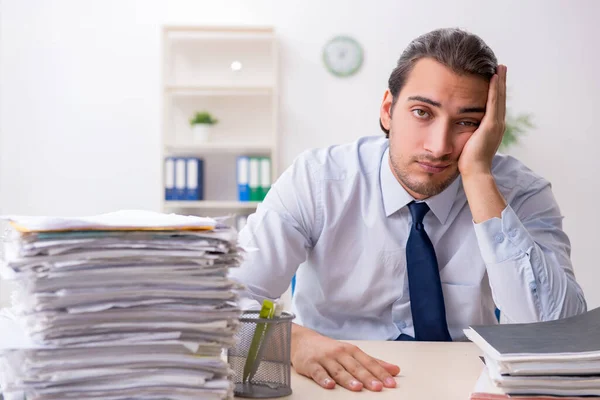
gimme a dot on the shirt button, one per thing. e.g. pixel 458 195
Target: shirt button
pixel 401 324
pixel 499 238
pixel 512 233
pixel 533 286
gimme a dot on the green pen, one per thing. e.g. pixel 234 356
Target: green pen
pixel 266 312
pixel 265 340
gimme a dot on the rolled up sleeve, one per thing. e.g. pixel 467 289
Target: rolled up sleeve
pixel 527 256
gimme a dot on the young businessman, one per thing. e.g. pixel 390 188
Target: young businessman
pixel 416 235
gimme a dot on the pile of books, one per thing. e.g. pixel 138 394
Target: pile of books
pixel 551 359
pixel 125 305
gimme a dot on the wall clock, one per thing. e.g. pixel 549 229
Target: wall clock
pixel 343 56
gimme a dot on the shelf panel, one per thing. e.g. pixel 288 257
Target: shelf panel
pixel 200 35
pixel 219 148
pixel 205 204
pixel 202 91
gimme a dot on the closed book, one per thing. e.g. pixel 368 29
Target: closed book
pixel 486 390
pixel 559 357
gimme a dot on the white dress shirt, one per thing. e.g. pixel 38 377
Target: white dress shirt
pixel 338 219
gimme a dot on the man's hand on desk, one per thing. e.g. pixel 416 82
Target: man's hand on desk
pixel 328 361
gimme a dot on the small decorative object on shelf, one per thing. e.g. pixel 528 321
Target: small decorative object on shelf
pixel 201 124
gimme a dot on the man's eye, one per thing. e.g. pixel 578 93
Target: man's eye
pixel 420 113
pixel 468 123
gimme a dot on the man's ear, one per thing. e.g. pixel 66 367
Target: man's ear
pixel 385 112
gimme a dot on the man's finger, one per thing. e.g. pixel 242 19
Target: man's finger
pixel 393 369
pixel 491 107
pixel 502 94
pixel 341 376
pixel 375 367
pixel 319 375
pixel 361 372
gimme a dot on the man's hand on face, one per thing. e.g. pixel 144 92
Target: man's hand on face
pixel 328 361
pixel 478 153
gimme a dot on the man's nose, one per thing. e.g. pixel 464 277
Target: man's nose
pixel 438 141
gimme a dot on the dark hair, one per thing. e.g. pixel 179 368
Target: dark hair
pixel 461 51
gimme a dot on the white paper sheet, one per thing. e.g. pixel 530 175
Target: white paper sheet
pixel 114 220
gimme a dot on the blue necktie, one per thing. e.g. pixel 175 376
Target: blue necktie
pixel 426 296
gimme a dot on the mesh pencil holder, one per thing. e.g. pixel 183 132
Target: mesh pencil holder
pixel 260 360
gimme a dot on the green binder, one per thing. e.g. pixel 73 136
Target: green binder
pixel 265 177
pixel 254 181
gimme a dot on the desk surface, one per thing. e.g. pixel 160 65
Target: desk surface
pixel 434 371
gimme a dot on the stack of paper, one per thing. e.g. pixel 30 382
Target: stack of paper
pixel 555 358
pixel 120 306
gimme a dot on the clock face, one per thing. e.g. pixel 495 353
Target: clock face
pixel 343 56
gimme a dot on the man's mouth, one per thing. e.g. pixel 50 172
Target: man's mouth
pixel 433 168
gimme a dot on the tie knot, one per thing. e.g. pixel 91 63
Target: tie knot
pixel 418 211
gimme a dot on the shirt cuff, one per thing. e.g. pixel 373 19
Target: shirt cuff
pixel 504 238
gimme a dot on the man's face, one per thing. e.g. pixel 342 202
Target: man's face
pixel 436 113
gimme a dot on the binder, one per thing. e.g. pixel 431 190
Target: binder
pixel 169 178
pixel 243 177
pixel 254 181
pixel 180 167
pixel 552 358
pixel 194 188
pixel 265 177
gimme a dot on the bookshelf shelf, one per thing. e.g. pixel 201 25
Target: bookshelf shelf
pixel 219 148
pixel 218 205
pixel 223 91
pixel 226 33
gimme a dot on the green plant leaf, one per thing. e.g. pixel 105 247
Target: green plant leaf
pixel 516 127
pixel 203 117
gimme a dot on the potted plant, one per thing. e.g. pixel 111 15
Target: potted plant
pixel 201 124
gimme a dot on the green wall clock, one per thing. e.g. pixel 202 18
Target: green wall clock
pixel 343 56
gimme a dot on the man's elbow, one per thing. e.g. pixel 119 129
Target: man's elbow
pixel 574 303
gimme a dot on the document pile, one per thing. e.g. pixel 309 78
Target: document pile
pixel 551 359
pixel 125 305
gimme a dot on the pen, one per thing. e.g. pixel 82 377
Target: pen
pixel 265 340
pixel 266 312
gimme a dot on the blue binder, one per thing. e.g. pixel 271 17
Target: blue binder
pixel 180 178
pixel 243 178
pixel 194 186
pixel 169 178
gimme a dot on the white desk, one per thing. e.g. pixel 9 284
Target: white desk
pixel 436 371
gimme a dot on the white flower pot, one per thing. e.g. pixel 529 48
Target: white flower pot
pixel 201 133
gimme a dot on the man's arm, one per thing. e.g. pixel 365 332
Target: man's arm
pixel 527 260
pixel 280 233
pixel 527 255
pixel 284 228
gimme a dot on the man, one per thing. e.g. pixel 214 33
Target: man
pixel 417 235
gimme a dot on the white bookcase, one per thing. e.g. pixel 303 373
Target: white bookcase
pixel 232 73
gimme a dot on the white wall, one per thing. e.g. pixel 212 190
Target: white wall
pixel 80 94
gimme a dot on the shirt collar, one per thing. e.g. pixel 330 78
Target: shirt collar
pixel 395 196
